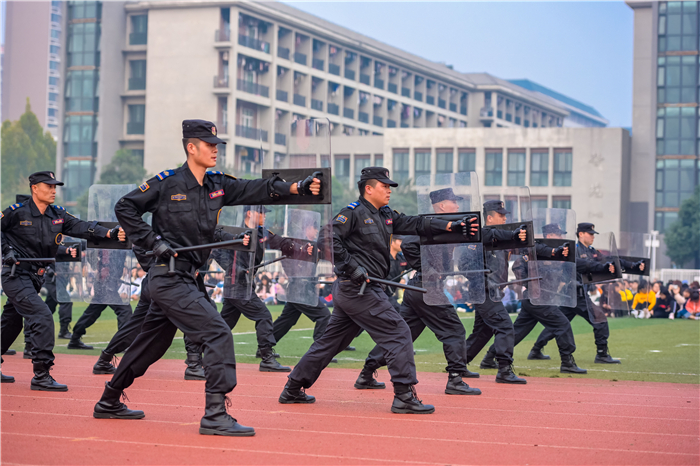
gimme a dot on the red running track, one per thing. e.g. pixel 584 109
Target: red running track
pixel 547 421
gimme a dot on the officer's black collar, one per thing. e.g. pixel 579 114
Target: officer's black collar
pixel 369 205
pixel 190 180
pixel 35 210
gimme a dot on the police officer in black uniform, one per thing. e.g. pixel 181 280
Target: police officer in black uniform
pixel 361 235
pixel 185 203
pixel 491 318
pixel 549 316
pixel 588 260
pixel 442 320
pixel 35 229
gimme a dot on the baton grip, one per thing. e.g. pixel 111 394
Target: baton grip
pixel 171 266
pixel 12 271
pixel 362 289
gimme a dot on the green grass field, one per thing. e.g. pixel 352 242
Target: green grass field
pixel 655 350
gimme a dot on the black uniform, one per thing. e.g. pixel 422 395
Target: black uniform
pixel 397 266
pixel 184 214
pixel 32 234
pixel 361 237
pixel 442 320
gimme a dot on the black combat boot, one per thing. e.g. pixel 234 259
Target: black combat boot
pixel 536 353
pixel 269 363
pixel 6 378
pixel 568 365
pixel 467 374
pixel 64 333
pixel 406 401
pixel 104 364
pixel 489 361
pixel 109 406
pixel 603 356
pixel 367 380
pixel 10 352
pixel 259 356
pixel 43 381
pixel 217 421
pixel 455 386
pixel 194 370
pixel 77 343
pixel 506 375
pixel 294 393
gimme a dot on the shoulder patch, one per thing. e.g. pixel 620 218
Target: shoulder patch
pixel 215 172
pixel 397 211
pixel 144 187
pixel 58 207
pixel 341 219
pixel 164 174
pixel 16 206
pixel 230 176
pixel 353 205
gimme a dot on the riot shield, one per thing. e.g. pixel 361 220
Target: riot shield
pixel 603 287
pixel 109 263
pixel 452 266
pixel 504 249
pixel 556 228
pixel 635 249
pixel 303 220
pixel 236 263
pixel 69 272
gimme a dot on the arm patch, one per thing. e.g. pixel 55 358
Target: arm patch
pixel 144 187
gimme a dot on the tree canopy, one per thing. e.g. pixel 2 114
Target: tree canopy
pixel 683 236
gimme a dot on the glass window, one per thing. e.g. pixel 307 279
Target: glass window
pixel 677 79
pixel 342 167
pixel 81 90
pixel 55 34
pixel 378 160
pixel 78 135
pixel 675 181
pixel 539 202
pixel 77 174
pixel 55 18
pixel 139 30
pixel 53 112
pixel 539 167
pixel 81 10
pixel 444 161
pixel 53 81
pixel 516 167
pixel 53 96
pixel 422 162
pixel 137 119
pixel 55 49
pixel 494 167
pixel 563 164
pixel 676 131
pixel 400 174
pixel 678 25
pixel 137 81
pixel 663 220
pixel 361 161
pixel 83 41
pixel 561 202
pixel 53 65
pixel 466 160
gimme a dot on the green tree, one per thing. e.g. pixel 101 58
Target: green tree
pixel 125 168
pixel 26 149
pixel 683 236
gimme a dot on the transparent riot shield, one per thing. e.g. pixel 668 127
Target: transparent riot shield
pixel 556 229
pixel 302 220
pixel 504 249
pixel 603 287
pixel 635 253
pixel 69 272
pixel 452 266
pixel 109 263
pixel 235 265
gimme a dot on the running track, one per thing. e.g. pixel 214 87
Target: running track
pixel 547 421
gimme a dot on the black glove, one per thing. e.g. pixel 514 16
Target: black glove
pixel 114 233
pixel 304 186
pixel 359 275
pixel 467 226
pixel 162 250
pixel 10 258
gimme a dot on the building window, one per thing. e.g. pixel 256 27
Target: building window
pixel 55 34
pixel 342 167
pixel 80 91
pixel 516 167
pixel 53 81
pixel 361 161
pixel 53 96
pixel 78 135
pixel 53 112
pixel 137 119
pixel 82 10
pixel 676 131
pixel 139 30
pixel 539 167
pixel 77 174
pixel 563 163
pixel 444 161
pixel 82 44
pixel 561 202
pixel 55 49
pixel 400 174
pixel 54 65
pixel 494 167
pixel 539 202
pixel 663 220
pixel 677 79
pixel 675 181
pixel 678 27
pixel 378 160
pixel 422 162
pixel 137 81
pixel 466 160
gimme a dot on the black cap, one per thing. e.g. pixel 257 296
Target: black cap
pixel 256 208
pixel 553 228
pixel 586 228
pixel 377 173
pixel 201 129
pixel 445 194
pixel 22 198
pixel 44 177
pixel 495 206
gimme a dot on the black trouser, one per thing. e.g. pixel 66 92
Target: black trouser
pixel 372 312
pixel 180 302
pixel 318 314
pixel 442 320
pixel 601 331
pixel 94 311
pixel 394 300
pixel 65 310
pixel 552 319
pixel 23 302
pixel 255 310
pixel 492 319
pixel 126 334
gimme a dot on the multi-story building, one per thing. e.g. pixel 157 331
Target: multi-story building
pixel 32 61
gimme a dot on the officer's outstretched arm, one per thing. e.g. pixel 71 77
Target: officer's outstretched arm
pixel 130 209
pixel 73 226
pixel 254 192
pixel 414 225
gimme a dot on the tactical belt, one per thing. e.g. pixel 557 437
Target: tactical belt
pixel 29 267
pixel 181 265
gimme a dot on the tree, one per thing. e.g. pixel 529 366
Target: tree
pixel 683 236
pixel 125 168
pixel 26 149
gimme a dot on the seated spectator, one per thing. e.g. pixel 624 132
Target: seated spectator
pixel 692 305
pixel 644 301
pixel 665 306
pixel 265 290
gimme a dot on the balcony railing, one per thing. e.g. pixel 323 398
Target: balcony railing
pixel 135 127
pixel 282 96
pixel 252 88
pixel 300 58
pixel 378 121
pixel 393 88
pixel 280 139
pixel 348 113
pixel 137 84
pixel 283 52
pixel 251 133
pixel 222 35
pixel 299 100
pixel 220 82
pixel 462 109
pixel 418 95
pixel 486 112
pixel 317 64
pixel 364 78
pixel 317 104
pixel 333 109
pixel 379 83
pixel 350 74
pixel 390 124
pixel 429 99
pixel 363 117
pixel 253 43
pixel 406 92
pixel 138 38
pixel 334 69
pixel 443 104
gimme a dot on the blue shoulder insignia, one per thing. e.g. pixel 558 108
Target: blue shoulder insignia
pixel 58 207
pixel 352 205
pixel 214 172
pixel 164 174
pixel 16 206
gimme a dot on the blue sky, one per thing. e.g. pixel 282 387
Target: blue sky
pixel 581 49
